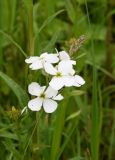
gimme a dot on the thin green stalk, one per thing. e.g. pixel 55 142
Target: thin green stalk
pixel 29 4
pixel 95 118
pixel 34 130
pixel 29 7
pixel 66 141
pixel 30 25
pixel 112 138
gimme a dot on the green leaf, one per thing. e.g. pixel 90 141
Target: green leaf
pixel 47 21
pixel 19 92
pixel 57 134
pixel 73 115
pixel 70 10
pixel 77 93
pixel 6 134
pixel 15 43
pixel 52 41
pixel 28 4
pixel 77 158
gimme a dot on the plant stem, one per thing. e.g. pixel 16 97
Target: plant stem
pixel 31 53
pixel 110 39
pixel 30 25
pixel 29 7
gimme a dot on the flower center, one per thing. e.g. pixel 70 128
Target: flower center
pixel 43 95
pixel 58 74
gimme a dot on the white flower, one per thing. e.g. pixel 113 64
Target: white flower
pixel 62 74
pixel 64 56
pixel 38 62
pixel 78 80
pixel 46 98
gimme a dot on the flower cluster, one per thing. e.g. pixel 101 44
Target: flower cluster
pixel 61 69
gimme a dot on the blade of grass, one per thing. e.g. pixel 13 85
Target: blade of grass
pixel 95 112
pixel 3 25
pixel 15 43
pixel 112 138
pixel 13 6
pixel 66 141
pixel 47 21
pixel 38 116
pixel 29 8
pixel 58 127
pixel 70 9
pixel 19 92
pixel 52 41
pixel 102 70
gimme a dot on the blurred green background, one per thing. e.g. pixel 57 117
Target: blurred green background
pixel 83 127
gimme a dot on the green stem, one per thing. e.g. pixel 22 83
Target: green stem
pixel 29 4
pixel 29 7
pixel 30 29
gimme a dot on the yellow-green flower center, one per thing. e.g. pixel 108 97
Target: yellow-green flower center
pixel 43 95
pixel 58 74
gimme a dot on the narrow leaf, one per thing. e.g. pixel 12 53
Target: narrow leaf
pixel 19 92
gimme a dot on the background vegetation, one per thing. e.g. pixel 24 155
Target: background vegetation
pixel 83 127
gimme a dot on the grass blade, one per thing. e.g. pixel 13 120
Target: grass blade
pixel 95 111
pixel 19 92
pixel 15 43
pixel 47 21
pixel 59 123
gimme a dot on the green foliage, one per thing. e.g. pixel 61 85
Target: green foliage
pixel 19 92
pixel 83 127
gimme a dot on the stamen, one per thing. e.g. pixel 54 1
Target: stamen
pixel 43 95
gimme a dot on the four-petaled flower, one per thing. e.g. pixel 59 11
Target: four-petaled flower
pixel 45 97
pixel 38 62
pixel 63 75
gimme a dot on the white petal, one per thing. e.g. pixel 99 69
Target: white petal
pixel 35 104
pixel 76 84
pixel 66 68
pixel 64 55
pixel 34 89
pixel 78 81
pixel 73 62
pixel 69 81
pixel 43 55
pixel 52 58
pixel 43 89
pixel 50 92
pixel 49 105
pixel 36 65
pixel 32 59
pixel 49 68
pixel 57 83
pixel 58 97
